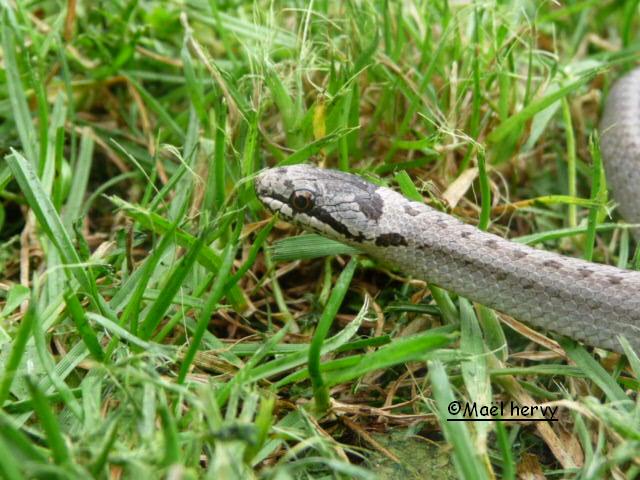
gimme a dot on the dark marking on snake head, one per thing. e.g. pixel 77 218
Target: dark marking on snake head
pixel 466 234
pixel 370 205
pixel 337 225
pixel 409 210
pixel 528 285
pixel 366 194
pixel 552 264
pixel 279 170
pixel 500 276
pixel 442 223
pixel 391 239
pixel 518 254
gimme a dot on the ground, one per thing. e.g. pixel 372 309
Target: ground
pixel 156 321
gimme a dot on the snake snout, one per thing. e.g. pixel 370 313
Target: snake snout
pixel 261 183
pixel 270 189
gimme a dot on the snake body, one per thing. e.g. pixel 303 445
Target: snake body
pixel 586 301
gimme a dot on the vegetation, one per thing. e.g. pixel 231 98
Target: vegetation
pixel 156 322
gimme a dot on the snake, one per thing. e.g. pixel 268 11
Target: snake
pixel 586 301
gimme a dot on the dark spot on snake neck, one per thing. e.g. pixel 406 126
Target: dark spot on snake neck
pixel 528 285
pixel 500 276
pixel 553 292
pixel 491 243
pixel 585 272
pixel 552 264
pixel 517 254
pixel 409 210
pixel 613 280
pixel 370 205
pixel 390 239
pixel 465 234
pixel 442 223
pixel 592 304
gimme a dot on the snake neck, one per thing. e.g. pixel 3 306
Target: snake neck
pixel 584 300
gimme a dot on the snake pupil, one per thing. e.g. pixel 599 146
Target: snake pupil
pixel 302 200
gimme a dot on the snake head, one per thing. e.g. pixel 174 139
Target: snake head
pixel 336 204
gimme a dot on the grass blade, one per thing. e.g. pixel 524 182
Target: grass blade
pixel 217 292
pixel 398 352
pixel 74 204
pixel 50 425
pixel 320 390
pixel 9 467
pixel 157 107
pixel 16 95
pixel 310 245
pixel 466 460
pixel 595 372
pixel 515 121
pixel 19 441
pixel 17 351
pixel 132 310
pixel 48 218
pixel 76 312
pixel 169 290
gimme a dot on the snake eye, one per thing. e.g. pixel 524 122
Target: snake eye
pixel 302 200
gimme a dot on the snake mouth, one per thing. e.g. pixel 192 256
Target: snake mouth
pixel 276 205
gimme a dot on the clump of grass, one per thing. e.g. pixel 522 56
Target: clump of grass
pixel 155 322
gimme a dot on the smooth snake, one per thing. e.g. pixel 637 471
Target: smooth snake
pixel 586 301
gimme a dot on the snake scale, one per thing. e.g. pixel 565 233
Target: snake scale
pixel 586 301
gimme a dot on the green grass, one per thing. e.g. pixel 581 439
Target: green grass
pixel 154 321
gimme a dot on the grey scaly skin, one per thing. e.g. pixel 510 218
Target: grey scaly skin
pixel 620 145
pixel 586 301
